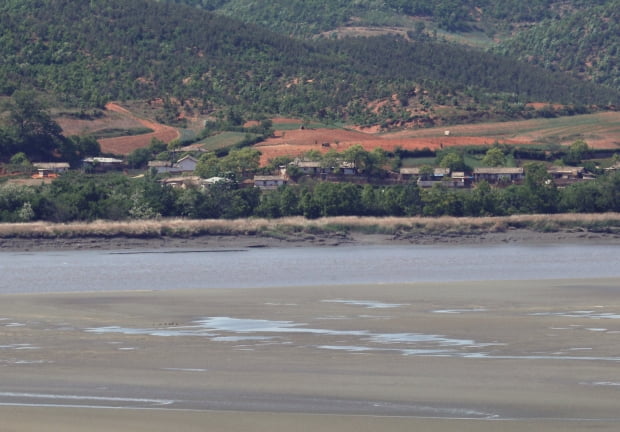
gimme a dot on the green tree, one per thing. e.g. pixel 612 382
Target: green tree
pixel 440 201
pixel 576 152
pixel 243 162
pixel 481 201
pixel 357 155
pixel 36 133
pixel 289 201
pixel 208 166
pixel 20 159
pixel 494 157
pixel 542 192
pixel 452 160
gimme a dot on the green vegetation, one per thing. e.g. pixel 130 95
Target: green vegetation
pixel 87 53
pixel 113 132
pixel 225 140
pixel 586 44
pixel 79 55
pixel 28 129
pixel 311 17
pixel 580 36
pixel 82 197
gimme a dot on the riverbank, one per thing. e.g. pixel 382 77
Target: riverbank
pixel 297 232
pixel 243 241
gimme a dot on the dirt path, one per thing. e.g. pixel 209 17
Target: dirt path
pixel 126 144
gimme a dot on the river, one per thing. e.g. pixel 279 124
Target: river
pixel 168 269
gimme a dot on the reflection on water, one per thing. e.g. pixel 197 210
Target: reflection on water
pixel 144 270
pixel 580 314
pixel 227 329
pixel 367 304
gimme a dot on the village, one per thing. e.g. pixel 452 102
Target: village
pixel 181 174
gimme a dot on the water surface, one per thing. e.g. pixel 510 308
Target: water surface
pixel 96 270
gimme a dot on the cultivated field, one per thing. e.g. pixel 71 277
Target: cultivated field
pixel 117 117
pixel 601 131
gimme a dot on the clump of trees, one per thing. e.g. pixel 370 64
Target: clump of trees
pixel 28 130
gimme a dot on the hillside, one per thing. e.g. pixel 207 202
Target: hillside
pixel 571 35
pixel 89 53
pixel 307 18
pixel 586 44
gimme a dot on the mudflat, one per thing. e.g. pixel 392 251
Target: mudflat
pixel 515 355
pixel 120 242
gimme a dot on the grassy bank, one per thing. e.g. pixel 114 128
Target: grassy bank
pixel 281 228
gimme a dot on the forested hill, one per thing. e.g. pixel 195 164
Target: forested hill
pixel 305 18
pixel 90 52
pixel 586 43
pixel 578 36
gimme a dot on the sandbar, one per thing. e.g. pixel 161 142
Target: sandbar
pixel 501 355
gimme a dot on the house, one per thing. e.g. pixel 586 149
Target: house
pixel 347 168
pixel 614 167
pixel 269 182
pixel 102 164
pixel 565 175
pixel 406 174
pixel 52 167
pixel 316 168
pixel 424 180
pixel 459 179
pixel 566 172
pixel 215 180
pixel 161 167
pixel 499 174
pixel 49 169
pixel 439 176
pixel 185 164
pixel 309 167
pixel 182 182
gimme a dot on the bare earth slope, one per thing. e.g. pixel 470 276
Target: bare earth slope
pixel 117 117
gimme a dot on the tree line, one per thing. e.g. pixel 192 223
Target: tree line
pixel 82 197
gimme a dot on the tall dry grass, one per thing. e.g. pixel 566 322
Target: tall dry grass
pixel 603 222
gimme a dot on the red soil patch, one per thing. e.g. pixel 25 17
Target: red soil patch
pixel 600 131
pixel 295 143
pixel 117 117
pixel 126 144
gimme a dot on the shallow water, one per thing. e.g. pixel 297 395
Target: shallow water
pixel 79 271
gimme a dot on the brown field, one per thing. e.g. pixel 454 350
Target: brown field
pixel 600 131
pixel 120 118
pixel 127 144
pixel 295 143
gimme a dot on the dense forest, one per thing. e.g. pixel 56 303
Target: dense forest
pixel 309 17
pixel 88 53
pixel 83 197
pixel 586 44
pixel 573 35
